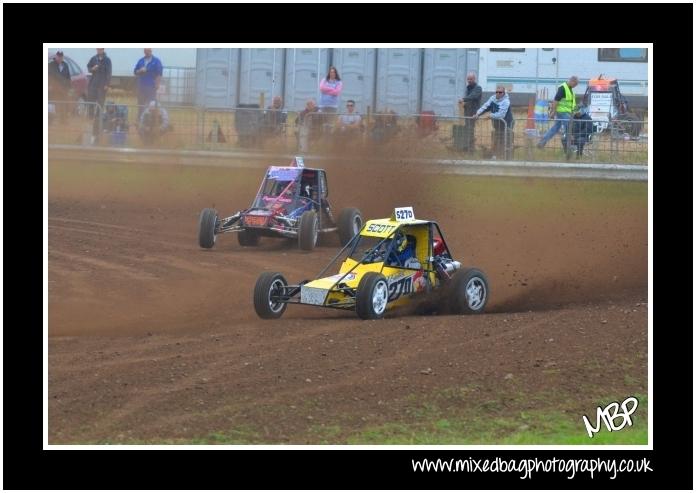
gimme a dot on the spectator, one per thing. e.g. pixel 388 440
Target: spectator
pixel 275 117
pixel 501 116
pixel 470 103
pixel 115 118
pixel 350 124
pixel 385 126
pixel 562 107
pixel 59 85
pixel 148 71
pixel 581 130
pixel 100 68
pixel 307 124
pixel 154 122
pixel 216 135
pixel 330 87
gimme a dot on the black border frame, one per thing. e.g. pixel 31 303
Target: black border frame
pixel 27 466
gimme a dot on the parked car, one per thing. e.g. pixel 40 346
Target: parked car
pixel 79 80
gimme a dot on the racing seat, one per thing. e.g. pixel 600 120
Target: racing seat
pixel 309 187
pixel 308 190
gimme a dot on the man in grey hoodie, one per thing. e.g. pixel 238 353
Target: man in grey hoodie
pixel 501 117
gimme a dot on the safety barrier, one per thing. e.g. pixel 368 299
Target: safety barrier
pixel 584 140
pixel 381 134
pixel 73 122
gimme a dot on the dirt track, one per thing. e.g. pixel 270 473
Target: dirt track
pixel 152 338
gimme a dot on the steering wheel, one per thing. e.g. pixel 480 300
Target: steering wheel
pixel 374 256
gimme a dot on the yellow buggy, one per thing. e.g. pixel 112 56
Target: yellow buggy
pixel 386 264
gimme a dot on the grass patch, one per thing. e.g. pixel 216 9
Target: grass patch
pixel 241 435
pixel 454 416
pixel 488 423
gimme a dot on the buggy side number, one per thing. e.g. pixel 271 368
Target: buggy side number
pixel 399 288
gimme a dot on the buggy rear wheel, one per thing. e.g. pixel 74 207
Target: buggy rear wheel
pixel 207 228
pixel 628 123
pixel 269 286
pixel 349 224
pixel 308 230
pixel 372 296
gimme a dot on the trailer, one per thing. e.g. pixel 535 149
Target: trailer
pixel 526 72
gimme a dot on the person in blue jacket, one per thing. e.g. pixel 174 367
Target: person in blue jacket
pixel 148 72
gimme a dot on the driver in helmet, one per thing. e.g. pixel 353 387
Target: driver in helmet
pixel 403 253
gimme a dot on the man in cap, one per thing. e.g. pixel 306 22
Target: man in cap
pixel 59 84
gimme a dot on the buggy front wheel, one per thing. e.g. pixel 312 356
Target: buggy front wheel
pixel 207 228
pixel 308 230
pixel 372 296
pixel 270 286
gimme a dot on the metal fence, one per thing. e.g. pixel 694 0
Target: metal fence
pixel 177 86
pixel 618 141
pixel 73 122
pixel 381 134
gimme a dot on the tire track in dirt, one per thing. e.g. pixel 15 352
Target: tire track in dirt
pixel 179 351
pixel 239 375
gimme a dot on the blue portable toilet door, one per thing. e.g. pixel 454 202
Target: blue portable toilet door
pixel 356 67
pixel 304 69
pixel 220 77
pixel 398 80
